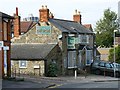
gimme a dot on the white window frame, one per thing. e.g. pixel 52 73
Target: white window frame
pixel 21 62
pixel 73 61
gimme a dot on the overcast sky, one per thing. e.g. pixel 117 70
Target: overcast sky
pixel 91 10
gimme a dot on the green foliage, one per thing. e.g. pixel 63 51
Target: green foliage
pixel 104 29
pixel 52 70
pixel 117 54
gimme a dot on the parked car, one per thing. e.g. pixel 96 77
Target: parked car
pixel 104 68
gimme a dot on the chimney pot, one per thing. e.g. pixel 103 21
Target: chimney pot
pixel 76 11
pixel 45 6
pixel 42 7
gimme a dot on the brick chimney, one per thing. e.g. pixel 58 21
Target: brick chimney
pixel 44 14
pixel 77 17
pixel 16 24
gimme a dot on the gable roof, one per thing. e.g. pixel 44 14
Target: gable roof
pixel 30 51
pixel 69 26
pixel 26 25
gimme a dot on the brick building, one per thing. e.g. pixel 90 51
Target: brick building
pixel 5 43
pixel 75 41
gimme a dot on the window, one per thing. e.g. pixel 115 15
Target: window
pixel 71 59
pixel 108 65
pixel 23 64
pixel 89 56
pixel 102 64
pixel 80 58
pixel 83 38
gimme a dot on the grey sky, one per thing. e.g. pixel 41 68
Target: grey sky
pixel 91 10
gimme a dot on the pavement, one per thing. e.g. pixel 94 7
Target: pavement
pixel 46 82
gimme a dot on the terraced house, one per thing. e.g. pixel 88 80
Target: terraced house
pixel 67 43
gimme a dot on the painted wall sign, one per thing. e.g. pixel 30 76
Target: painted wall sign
pixel 43 29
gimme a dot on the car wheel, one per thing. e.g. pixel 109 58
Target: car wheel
pixel 97 72
pixel 112 74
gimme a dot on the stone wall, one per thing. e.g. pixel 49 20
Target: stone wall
pixel 32 37
pixel 55 55
pixel 29 70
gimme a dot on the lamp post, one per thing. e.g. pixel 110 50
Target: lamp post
pixel 114 53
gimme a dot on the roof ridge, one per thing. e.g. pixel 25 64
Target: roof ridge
pixel 33 43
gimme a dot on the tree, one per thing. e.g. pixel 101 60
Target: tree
pixel 104 29
pixel 117 55
pixel 52 69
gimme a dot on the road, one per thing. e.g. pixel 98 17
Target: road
pixel 90 85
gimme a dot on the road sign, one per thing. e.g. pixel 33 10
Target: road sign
pixel 6 48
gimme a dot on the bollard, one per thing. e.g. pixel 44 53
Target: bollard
pixel 75 74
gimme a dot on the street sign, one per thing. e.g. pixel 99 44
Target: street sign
pixel 1 43
pixel 6 48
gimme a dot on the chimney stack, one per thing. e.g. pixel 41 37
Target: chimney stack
pixel 77 16
pixel 44 14
pixel 16 24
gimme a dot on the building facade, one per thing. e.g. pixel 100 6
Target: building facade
pixel 5 44
pixel 76 41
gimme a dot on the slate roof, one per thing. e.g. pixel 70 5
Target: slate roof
pixel 69 26
pixel 30 51
pixel 6 15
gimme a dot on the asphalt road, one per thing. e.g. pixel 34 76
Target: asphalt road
pixel 90 85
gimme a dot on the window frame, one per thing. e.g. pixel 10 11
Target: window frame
pixel 84 36
pixel 90 53
pixel 73 61
pixel 21 61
